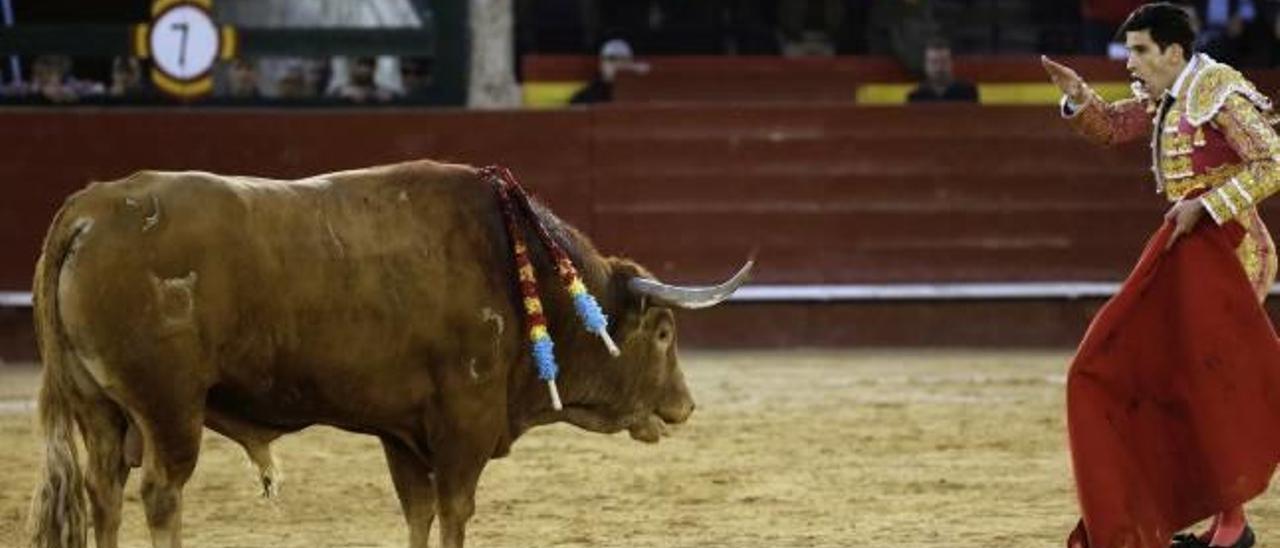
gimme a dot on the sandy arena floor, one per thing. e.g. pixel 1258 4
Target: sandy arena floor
pixel 903 448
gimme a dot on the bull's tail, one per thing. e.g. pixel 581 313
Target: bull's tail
pixel 58 518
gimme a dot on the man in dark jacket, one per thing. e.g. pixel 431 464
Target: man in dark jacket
pixel 615 55
pixel 940 83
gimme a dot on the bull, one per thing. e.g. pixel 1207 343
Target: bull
pixel 380 301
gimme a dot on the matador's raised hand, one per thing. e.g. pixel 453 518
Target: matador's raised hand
pixel 1066 79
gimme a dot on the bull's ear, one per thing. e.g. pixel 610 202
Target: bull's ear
pixel 660 325
pixel 628 308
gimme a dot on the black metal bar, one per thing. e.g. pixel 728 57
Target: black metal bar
pixel 87 40
pixel 112 40
pixel 325 42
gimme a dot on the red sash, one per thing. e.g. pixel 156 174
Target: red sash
pixel 1173 398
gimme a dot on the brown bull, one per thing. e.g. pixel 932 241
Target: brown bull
pixel 381 301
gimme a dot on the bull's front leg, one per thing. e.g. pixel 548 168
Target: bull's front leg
pixel 412 478
pixel 458 470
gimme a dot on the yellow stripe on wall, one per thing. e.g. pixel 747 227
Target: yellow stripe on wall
pixel 549 94
pixel 1042 93
pixel 545 95
pixel 1113 91
pixel 883 94
pixel 1019 93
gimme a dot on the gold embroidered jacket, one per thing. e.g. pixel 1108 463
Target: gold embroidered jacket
pixel 1212 134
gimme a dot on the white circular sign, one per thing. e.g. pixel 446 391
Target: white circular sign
pixel 184 42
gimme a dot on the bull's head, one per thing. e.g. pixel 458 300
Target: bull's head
pixel 643 388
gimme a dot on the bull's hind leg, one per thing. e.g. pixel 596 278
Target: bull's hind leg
pixel 414 487
pixel 103 426
pixel 171 432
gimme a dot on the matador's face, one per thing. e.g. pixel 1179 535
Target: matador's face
pixel 1155 67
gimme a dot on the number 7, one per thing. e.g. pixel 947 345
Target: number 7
pixel 182 51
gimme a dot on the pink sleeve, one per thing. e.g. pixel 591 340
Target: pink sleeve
pixel 1111 123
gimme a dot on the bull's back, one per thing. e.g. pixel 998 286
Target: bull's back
pixel 261 280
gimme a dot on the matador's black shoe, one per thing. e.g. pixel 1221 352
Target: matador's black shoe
pixel 1186 540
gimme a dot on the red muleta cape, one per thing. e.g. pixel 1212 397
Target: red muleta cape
pixel 1173 398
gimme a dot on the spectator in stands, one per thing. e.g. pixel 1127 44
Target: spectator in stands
pixel 615 56
pixel 940 83
pixel 361 86
pixel 242 79
pixel 292 83
pixel 415 76
pixel 51 79
pixel 126 78
pixel 291 77
pixel 316 72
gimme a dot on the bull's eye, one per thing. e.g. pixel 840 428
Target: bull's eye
pixel 664 336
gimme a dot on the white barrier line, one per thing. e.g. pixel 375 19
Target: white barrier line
pixel 921 292
pixel 862 292
pixel 929 292
pixel 15 299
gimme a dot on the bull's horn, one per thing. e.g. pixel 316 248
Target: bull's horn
pixel 691 297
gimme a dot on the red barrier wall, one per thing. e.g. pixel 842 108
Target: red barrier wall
pixel 51 153
pixel 827 194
